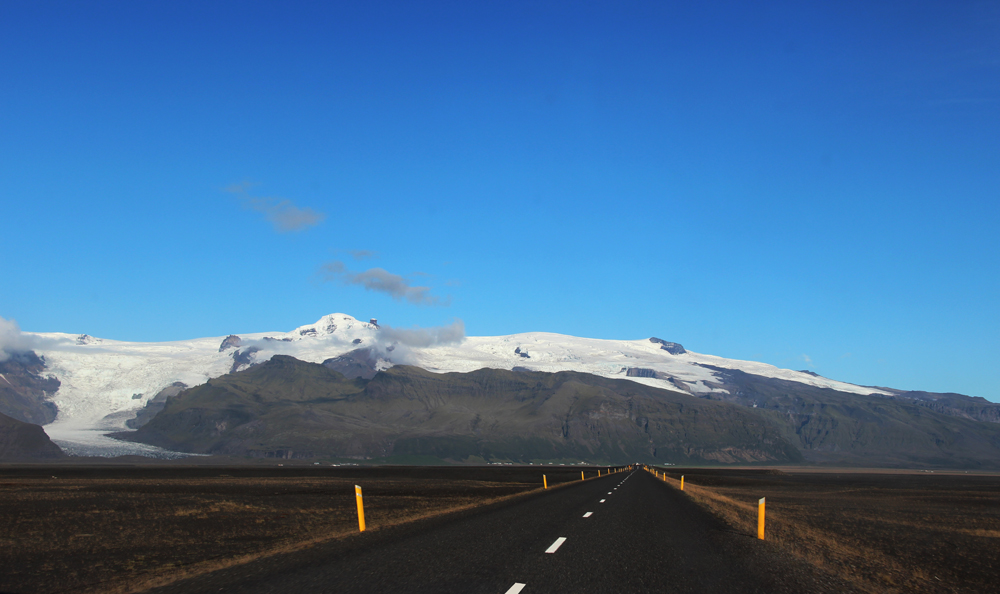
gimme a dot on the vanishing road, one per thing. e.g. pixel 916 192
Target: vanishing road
pixel 625 532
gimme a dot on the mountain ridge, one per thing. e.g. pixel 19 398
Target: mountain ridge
pixel 107 385
pixel 290 408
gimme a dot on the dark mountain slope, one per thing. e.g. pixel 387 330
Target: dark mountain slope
pixel 975 408
pixel 286 407
pixel 24 392
pixel 840 428
pixel 25 441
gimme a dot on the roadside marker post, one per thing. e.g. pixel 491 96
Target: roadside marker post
pixel 760 519
pixel 361 509
pixel 581 475
pixel 682 482
pixel 545 481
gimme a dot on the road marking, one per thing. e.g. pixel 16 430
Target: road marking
pixel 609 492
pixel 555 546
pixel 602 501
pixel 515 588
pixel 588 514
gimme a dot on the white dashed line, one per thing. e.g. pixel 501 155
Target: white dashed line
pixel 555 546
pixel 515 588
pixel 588 514
pixel 603 500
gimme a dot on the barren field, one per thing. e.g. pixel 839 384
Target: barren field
pixel 100 529
pixel 886 532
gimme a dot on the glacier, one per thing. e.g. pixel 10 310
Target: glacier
pixel 105 382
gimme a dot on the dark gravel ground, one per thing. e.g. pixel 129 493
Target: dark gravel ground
pixel 121 527
pixel 886 532
pixel 107 528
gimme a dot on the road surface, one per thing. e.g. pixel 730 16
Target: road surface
pixel 626 532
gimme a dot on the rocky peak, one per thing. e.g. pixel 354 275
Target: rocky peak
pixel 230 341
pixel 84 339
pixel 671 347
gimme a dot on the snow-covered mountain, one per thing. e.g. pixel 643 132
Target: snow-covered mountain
pixel 104 383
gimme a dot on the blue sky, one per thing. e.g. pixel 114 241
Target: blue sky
pixel 813 185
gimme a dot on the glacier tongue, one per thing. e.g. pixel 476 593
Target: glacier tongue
pixel 104 382
pixel 77 441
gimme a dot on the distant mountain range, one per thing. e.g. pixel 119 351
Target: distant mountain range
pixel 289 408
pixel 346 388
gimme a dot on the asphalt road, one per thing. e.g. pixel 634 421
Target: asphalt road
pixel 627 532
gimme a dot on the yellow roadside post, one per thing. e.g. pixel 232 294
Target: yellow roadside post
pixel 581 475
pixel 361 509
pixel 760 518
pixel 598 473
pixel 545 481
pixel 682 482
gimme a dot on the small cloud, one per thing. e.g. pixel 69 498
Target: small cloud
pixel 453 283
pixel 333 268
pixel 13 342
pixel 363 254
pixel 284 215
pixel 846 356
pixel 11 339
pixel 425 337
pixel 382 281
pixel 808 360
pixel 240 188
pixel 280 212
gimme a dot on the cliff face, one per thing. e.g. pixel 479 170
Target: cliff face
pixel 25 441
pixel 24 391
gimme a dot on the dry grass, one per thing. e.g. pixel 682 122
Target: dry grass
pixel 123 535
pixel 885 534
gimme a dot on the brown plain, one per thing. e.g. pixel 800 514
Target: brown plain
pixel 123 530
pixel 884 531
pixel 129 529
